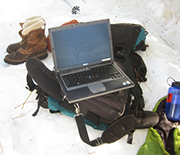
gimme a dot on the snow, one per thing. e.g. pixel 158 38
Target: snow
pixel 22 134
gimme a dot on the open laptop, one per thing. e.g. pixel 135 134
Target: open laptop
pixel 80 51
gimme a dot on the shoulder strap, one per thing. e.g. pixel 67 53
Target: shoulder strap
pixel 114 132
pixel 30 83
pixel 136 91
pixel 40 94
pixel 83 132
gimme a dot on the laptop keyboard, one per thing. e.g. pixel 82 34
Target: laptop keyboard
pixel 92 75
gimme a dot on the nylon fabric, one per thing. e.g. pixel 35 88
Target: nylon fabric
pixel 158 144
pixel 53 104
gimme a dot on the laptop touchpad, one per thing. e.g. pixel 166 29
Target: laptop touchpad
pixel 96 87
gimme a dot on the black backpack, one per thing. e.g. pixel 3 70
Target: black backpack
pixel 126 38
pixel 117 111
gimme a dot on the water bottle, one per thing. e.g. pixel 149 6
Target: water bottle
pixel 172 108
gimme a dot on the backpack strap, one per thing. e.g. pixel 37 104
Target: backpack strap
pixel 32 86
pixel 41 95
pixel 83 132
pixel 130 136
pixel 30 83
pixel 114 132
pixel 136 91
pixel 127 64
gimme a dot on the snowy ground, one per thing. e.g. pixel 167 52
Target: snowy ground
pixel 48 134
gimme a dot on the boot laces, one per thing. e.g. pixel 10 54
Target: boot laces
pixel 25 45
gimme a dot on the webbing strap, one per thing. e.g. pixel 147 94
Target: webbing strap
pixel 37 110
pixel 30 83
pixel 114 132
pixel 83 132
pixel 130 137
pixel 31 87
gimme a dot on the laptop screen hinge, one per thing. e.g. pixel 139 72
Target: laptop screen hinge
pixel 107 59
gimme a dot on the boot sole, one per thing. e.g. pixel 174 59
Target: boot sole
pixel 16 62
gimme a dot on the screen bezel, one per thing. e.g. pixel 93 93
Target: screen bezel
pixel 72 26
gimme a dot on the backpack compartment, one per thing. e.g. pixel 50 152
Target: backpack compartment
pixel 130 36
pixel 108 107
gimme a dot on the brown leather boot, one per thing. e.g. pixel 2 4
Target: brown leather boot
pixel 24 25
pixel 13 47
pixel 32 45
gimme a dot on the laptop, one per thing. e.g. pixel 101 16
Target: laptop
pixel 84 61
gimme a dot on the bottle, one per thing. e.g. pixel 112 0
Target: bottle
pixel 172 108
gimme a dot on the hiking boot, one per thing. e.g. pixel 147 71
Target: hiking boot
pixel 33 42
pixel 29 21
pixel 32 45
pixel 13 47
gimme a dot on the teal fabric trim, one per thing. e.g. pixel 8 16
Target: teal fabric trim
pixel 142 36
pixel 53 104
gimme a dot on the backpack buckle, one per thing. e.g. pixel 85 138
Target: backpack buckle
pixel 77 110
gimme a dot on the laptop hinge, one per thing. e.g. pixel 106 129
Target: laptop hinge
pixel 107 59
pixel 105 62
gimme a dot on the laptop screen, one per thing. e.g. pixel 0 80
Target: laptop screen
pixel 81 44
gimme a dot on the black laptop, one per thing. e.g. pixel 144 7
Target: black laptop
pixel 83 59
